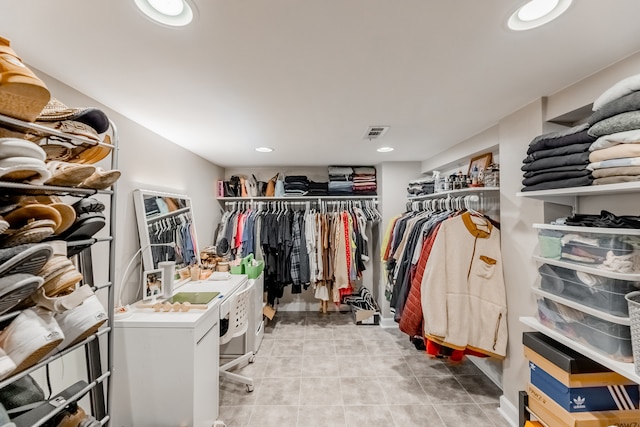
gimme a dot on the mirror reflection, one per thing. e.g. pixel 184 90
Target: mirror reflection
pixel 166 228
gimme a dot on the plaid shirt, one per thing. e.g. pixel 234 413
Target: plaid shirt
pixel 295 256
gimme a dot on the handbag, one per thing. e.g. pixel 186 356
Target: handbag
pixel 271 186
pixel 279 190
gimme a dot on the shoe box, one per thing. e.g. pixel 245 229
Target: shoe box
pixel 568 389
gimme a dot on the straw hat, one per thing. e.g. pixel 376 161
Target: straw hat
pixel 55 111
pixel 25 214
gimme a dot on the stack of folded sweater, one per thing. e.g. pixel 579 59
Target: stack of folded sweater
pixel 615 155
pixel 364 181
pixel 340 180
pixel 318 188
pixel 296 185
pixel 421 186
pixel 558 160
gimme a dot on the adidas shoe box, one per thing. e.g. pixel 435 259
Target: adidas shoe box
pixel 553 415
pixel 585 398
pixel 575 382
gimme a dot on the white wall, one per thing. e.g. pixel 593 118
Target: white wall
pixel 393 178
pixel 149 161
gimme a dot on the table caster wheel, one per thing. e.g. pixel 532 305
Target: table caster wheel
pixel 249 388
pixel 219 424
pixel 252 359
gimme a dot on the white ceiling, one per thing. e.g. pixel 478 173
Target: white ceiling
pixel 308 77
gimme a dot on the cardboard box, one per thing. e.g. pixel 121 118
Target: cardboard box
pixel 548 411
pixel 585 399
pixel 366 317
pixel 595 379
pixel 560 355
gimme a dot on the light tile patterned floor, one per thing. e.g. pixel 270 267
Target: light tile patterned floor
pixel 323 370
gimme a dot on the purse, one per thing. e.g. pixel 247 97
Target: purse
pixel 271 186
pixel 279 190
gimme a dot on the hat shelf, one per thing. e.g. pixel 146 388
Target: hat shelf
pixel 98 345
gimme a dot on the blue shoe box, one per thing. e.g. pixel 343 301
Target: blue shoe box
pixel 585 399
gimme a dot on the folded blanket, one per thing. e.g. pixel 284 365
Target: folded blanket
pixel 562 183
pixel 529 174
pixel 554 176
pixel 629 102
pixel 618 123
pixel 616 179
pixel 560 151
pixel 620 151
pixel 550 162
pixel 614 163
pixel 574 135
pixel 340 170
pixel 622 170
pixel 618 90
pixel 606 141
pixel 364 170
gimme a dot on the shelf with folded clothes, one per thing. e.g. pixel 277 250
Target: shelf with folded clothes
pixel 568 195
pixel 625 369
pixel 458 192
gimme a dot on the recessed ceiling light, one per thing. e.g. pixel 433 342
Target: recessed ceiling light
pixel 384 149
pixel 174 13
pixel 264 149
pixel 536 13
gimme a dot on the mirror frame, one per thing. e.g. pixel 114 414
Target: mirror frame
pixel 143 221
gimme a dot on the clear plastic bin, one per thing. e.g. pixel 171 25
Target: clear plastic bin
pixel 595 291
pixel 611 249
pixel 608 338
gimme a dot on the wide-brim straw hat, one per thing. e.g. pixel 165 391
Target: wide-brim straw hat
pixel 37 211
pixel 55 111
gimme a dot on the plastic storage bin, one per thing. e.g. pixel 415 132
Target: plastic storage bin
pixel 595 291
pixel 608 338
pixel 612 249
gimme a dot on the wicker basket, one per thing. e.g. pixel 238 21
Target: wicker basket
pixel 633 299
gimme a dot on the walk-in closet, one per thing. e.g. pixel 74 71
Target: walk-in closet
pixel 335 214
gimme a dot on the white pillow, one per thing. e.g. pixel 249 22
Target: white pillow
pixel 618 90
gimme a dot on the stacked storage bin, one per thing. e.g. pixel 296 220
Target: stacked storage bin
pixel 567 389
pixel 585 273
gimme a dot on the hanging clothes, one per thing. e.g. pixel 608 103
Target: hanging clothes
pixel 303 246
pixel 445 282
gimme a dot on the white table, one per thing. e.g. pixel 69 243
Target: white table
pixel 166 363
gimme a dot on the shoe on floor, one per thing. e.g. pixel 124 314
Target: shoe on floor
pixel 22 94
pixel 29 337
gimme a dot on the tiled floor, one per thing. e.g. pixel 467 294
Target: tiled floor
pixel 322 370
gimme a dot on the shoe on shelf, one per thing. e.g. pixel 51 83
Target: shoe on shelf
pixel 17 288
pixel 82 321
pixel 29 258
pixel 22 94
pixel 21 392
pixel 101 179
pixel 30 337
pixel 6 365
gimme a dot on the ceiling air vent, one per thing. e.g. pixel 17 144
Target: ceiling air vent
pixel 374 132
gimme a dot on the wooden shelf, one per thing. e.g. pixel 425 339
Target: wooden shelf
pixel 625 369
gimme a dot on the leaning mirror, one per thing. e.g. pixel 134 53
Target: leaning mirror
pixel 167 230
